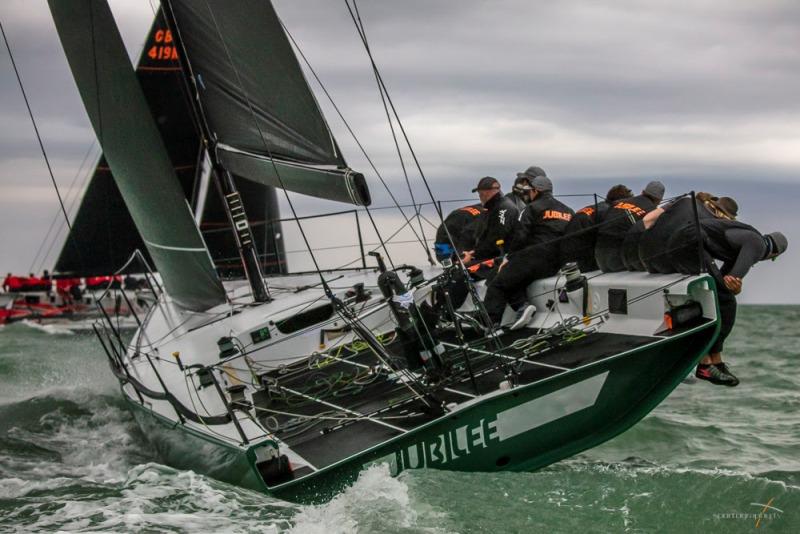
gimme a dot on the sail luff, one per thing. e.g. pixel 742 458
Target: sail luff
pixel 135 152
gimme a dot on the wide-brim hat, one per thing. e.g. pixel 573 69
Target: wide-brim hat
pixel 728 206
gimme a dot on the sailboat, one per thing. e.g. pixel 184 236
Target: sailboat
pixel 292 383
pixel 93 273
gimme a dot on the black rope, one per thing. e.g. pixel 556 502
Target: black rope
pixel 35 128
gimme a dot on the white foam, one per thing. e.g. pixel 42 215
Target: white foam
pixel 155 497
pixel 53 329
pixel 374 501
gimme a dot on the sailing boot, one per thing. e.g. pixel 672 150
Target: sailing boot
pixel 722 366
pixel 523 317
pixel 713 374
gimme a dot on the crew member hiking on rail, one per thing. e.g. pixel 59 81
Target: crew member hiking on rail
pixel 497 223
pixel 461 224
pixel 620 218
pixel 519 193
pixel 581 234
pixel 535 254
pixel 739 246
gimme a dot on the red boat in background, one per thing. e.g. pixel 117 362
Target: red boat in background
pixel 70 301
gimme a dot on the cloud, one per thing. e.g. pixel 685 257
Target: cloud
pixel 696 93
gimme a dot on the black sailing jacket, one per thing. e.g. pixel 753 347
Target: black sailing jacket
pixel 581 236
pixel 499 221
pixel 542 223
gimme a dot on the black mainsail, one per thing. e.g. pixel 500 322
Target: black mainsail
pixel 267 125
pixel 135 151
pixel 103 229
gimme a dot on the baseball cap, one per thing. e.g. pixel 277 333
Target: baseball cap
pixel 542 183
pixel 654 189
pixel 487 182
pixel 532 172
pixel 779 243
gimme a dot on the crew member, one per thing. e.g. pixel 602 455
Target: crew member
pixel 620 218
pixel 497 223
pixel 535 254
pixel 460 223
pixel 519 192
pixel 12 283
pixel 738 246
pixel 581 234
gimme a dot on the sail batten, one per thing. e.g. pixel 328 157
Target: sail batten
pixel 257 101
pixel 135 152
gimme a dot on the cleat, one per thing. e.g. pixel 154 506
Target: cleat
pixel 523 317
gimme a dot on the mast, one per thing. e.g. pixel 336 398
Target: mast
pixel 232 201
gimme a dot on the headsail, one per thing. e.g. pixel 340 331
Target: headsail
pixel 135 151
pixel 103 228
pixel 268 126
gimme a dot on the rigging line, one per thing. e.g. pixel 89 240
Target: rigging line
pixel 356 17
pixel 326 287
pixel 381 90
pixel 266 145
pixel 473 293
pixel 57 217
pixel 343 311
pixel 355 138
pixel 389 240
pixel 70 210
pixel 36 129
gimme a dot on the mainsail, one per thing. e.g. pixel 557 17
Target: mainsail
pixel 103 234
pixel 135 151
pixel 267 125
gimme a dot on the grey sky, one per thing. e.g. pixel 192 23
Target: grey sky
pixel 700 94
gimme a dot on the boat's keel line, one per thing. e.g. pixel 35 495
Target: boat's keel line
pixel 483 433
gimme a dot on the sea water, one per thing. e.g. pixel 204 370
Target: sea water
pixel 708 459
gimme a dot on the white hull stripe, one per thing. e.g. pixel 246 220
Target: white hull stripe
pixel 550 407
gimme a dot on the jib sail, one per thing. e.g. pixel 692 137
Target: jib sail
pixel 267 125
pixel 135 152
pixel 103 228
